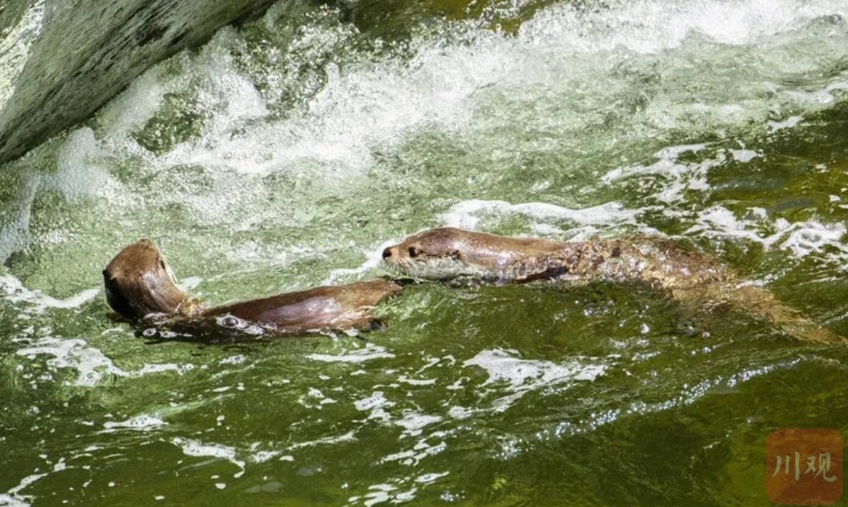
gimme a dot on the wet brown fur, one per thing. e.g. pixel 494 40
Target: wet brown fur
pixel 695 279
pixel 139 283
pixel 140 286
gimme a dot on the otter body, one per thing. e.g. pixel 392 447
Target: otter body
pixel 335 307
pixel 447 252
pixel 693 278
pixel 140 286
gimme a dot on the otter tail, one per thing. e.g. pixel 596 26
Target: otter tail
pixel 763 304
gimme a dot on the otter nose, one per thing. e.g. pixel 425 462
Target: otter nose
pixel 387 252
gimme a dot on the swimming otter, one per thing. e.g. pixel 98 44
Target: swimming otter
pixel 445 253
pixel 140 286
pixel 139 282
pixel 696 279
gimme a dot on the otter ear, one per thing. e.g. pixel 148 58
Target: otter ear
pixel 454 254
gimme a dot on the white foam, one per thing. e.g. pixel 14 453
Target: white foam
pixel 197 448
pixel 315 395
pixel 376 400
pixel 465 214
pixel 90 362
pixel 413 423
pixel 805 238
pixel 799 238
pixel 357 108
pixel 525 375
pixel 744 156
pixel 233 101
pixel 8 500
pixel 646 26
pixel 363 105
pixel 373 259
pixel 417 382
pixel 453 85
pixel 675 177
pixel 14 235
pixel 346 437
pixel 133 107
pixel 142 422
pixel 384 493
pixel 788 123
pixel 430 477
pixel 13 498
pixel 367 353
pixel 77 175
pixel 13 290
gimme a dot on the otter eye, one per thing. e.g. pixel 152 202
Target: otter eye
pixel 414 252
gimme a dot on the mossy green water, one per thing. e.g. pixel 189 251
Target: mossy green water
pixel 287 153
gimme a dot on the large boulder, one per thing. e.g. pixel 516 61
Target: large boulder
pixel 60 60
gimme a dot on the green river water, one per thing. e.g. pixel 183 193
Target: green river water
pixel 288 152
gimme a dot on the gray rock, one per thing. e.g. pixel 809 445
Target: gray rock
pixel 60 60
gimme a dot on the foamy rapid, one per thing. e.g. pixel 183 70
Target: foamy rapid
pixel 289 153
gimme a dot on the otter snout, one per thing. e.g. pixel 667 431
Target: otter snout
pixel 390 252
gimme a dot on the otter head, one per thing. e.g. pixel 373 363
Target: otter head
pixel 446 252
pixel 139 282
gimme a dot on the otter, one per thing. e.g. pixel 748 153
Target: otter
pixel 140 286
pixel 695 279
pixel 139 282
pixel 445 253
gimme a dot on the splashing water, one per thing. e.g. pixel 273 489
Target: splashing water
pixel 290 151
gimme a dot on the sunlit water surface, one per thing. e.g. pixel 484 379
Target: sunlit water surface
pixel 289 152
